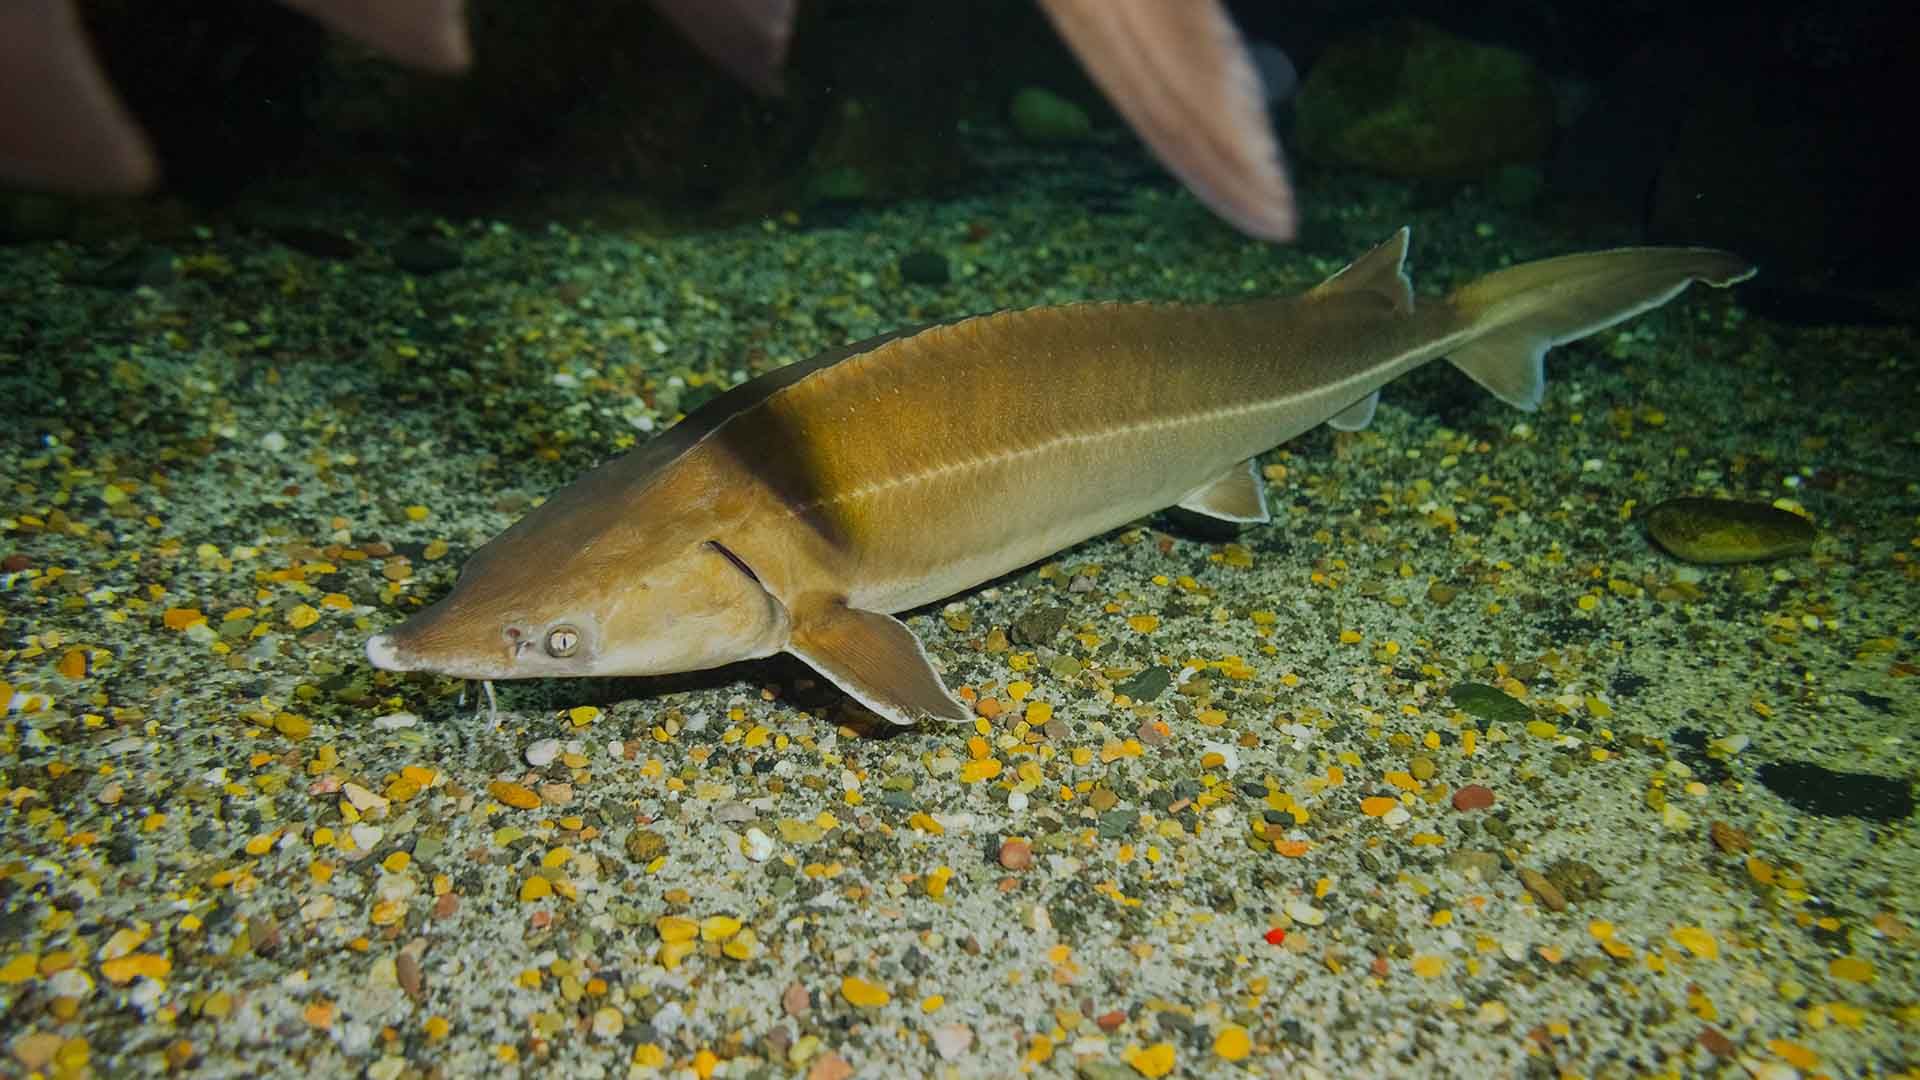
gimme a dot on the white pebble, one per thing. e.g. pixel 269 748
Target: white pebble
pixel 542 753
pixel 952 1040
pixel 395 721
pixel 366 837
pixel 362 799
pixel 608 1022
pixel 1304 913
pixel 1396 817
pixel 273 442
pixel 1017 801
pixel 756 845
pixel 70 983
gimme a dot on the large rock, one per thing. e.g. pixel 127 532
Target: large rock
pixel 1409 99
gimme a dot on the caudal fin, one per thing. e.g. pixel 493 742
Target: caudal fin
pixel 1510 318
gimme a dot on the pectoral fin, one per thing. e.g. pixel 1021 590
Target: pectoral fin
pixel 1356 416
pixel 876 660
pixel 1238 495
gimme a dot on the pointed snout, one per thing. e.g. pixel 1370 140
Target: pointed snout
pixel 385 655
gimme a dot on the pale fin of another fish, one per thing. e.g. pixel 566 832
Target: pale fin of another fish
pixel 429 34
pixel 1238 495
pixel 1514 316
pixel 1357 415
pixel 1381 271
pixel 876 660
pixel 1179 73
pixel 746 38
pixel 63 126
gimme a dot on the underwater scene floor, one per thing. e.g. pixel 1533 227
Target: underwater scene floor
pixel 1449 771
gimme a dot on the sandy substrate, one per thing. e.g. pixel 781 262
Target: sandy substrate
pixel 1224 810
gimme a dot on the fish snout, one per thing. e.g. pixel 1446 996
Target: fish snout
pixel 385 655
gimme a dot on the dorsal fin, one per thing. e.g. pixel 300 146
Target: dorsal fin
pixel 1382 271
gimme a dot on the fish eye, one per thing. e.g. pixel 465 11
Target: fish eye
pixel 562 641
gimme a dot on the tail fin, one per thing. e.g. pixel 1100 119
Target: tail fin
pixel 1511 317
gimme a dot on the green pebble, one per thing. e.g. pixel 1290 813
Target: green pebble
pixel 1723 531
pixel 1150 683
pixel 1043 116
pixel 1490 703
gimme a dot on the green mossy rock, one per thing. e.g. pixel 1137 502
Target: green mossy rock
pixel 1044 116
pixel 1410 99
pixel 1724 531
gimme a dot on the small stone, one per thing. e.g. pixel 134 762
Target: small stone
pixel 1016 854
pixel 756 845
pixel 608 1022
pixel 1472 797
pixel 952 1040
pixel 1042 116
pixel 1729 839
pixel 36 1049
pixel 1719 531
pixel 645 845
pixel 1545 891
pixel 518 796
pixel 1148 684
pixel 1714 1042
pixel 795 1000
pixel 362 799
pixel 406 968
pixel 541 753
pixel 829 1066
pixel 1110 1021
pixel 1490 703
pixel 1304 913
pixel 862 994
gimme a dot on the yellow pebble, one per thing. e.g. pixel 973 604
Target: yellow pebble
pixel 675 928
pixel 937 882
pixel 302 616
pixel 977 770
pixel 535 888
pixel 1152 1061
pixel 1851 969
pixel 862 994
pixel 518 796
pixel 416 512
pixel 1233 1043
pixel 1697 941
pixel 718 927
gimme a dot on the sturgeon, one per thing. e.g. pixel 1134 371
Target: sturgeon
pixel 801 510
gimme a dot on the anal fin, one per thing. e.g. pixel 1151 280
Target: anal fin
pixel 1238 495
pixel 876 660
